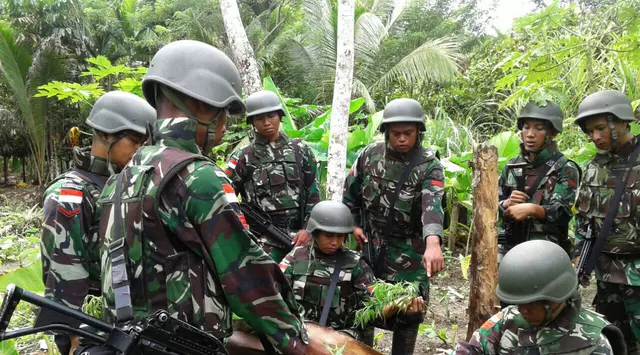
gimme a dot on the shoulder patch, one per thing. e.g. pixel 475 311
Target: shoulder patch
pixel 69 213
pixel 72 186
pixel 492 321
pixel 220 173
pixel 229 193
pixel 70 196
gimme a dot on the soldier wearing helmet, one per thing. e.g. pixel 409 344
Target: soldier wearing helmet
pixel 545 317
pixel 310 269
pixel 174 236
pixel 402 220
pixel 538 187
pixel 605 116
pixel 275 174
pixel 70 258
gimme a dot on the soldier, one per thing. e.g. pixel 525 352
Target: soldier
pixel 605 117
pixel 275 174
pixel 174 238
pixel 70 258
pixel 538 279
pixel 403 219
pixel 538 187
pixel 310 270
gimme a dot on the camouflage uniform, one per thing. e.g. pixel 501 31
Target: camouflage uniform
pixel 267 175
pixel 575 331
pixel 309 271
pixel 368 188
pixel 166 236
pixel 69 244
pixel 617 270
pixel 556 192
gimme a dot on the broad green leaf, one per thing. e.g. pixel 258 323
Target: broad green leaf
pixel 465 261
pixel 29 278
pixel 372 126
pixel 8 347
pixel 287 120
pixel 356 139
pixel 508 145
pixel 355 105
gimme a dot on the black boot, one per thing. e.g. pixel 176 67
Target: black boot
pixel 404 340
pixel 367 336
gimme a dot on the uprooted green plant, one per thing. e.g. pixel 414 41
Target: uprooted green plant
pixel 398 295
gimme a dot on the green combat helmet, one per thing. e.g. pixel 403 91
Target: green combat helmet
pixel 550 112
pixel 117 112
pixel 523 279
pixel 330 216
pixel 612 103
pixel 403 111
pixel 262 102
pixel 197 70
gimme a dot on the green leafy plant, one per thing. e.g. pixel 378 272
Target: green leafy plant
pixel 382 294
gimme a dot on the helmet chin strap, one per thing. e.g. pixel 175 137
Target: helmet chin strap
pixel 175 100
pixel 548 313
pixel 108 144
pixel 614 133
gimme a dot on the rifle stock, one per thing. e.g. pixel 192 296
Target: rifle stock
pixel 156 334
pixel 264 224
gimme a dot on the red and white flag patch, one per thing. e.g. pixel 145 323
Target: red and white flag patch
pixel 232 163
pixel 70 196
pixel 230 193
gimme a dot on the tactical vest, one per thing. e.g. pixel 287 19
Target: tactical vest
pixel 163 272
pixel 585 334
pixel 594 198
pixel 553 232
pixel 276 182
pixel 379 179
pixel 311 280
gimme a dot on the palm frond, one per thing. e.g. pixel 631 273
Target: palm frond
pixel 359 89
pixel 369 32
pixel 13 59
pixel 435 60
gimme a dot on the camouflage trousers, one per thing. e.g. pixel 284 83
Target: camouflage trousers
pixel 620 304
pixel 400 259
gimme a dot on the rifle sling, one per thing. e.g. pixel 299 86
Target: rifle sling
pixel 613 210
pixel 302 195
pixel 332 290
pixel 117 254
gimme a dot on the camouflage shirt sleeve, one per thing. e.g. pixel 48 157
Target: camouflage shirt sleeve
pixel 235 170
pixel 485 340
pixel 503 190
pixel 363 278
pixel 352 194
pixel 558 208
pixel 582 225
pixel 602 347
pixel 285 266
pixel 66 253
pixel 432 193
pixel 254 286
pixel 310 171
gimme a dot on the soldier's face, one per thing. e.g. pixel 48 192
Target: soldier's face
pixel 534 133
pixel 209 137
pixel 535 313
pixel 329 243
pixel 599 132
pixel 123 149
pixel 403 136
pixel 267 124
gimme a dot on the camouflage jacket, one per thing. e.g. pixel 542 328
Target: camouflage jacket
pixel 372 182
pixel 309 271
pixel 269 176
pixel 618 261
pixel 576 331
pixel 69 244
pixel 556 191
pixel 188 250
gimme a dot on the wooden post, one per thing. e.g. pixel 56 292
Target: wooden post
pixel 453 224
pixel 484 250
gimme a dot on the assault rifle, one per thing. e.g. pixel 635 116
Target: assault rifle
pixel 157 334
pixel 261 224
pixel 585 253
pixel 516 232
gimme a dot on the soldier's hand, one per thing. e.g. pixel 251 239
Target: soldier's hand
pixel 519 212
pixel 316 347
pixel 432 259
pixel 416 306
pixel 301 238
pixel 359 236
pixel 517 197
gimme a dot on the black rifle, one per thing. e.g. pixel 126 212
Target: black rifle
pixel 516 232
pixel 585 254
pixel 367 250
pixel 261 224
pixel 157 334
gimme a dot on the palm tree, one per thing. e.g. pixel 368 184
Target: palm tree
pixel 436 60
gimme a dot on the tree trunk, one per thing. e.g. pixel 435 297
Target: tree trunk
pixel 24 173
pixel 453 226
pixel 484 251
pixel 6 171
pixel 337 156
pixel 242 52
